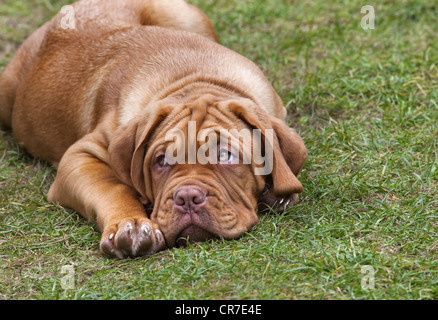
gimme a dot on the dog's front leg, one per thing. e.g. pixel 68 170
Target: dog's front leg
pixel 86 183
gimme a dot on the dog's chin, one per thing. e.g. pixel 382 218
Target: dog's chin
pixel 192 234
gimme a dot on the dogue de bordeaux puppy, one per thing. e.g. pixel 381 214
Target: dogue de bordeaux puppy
pixel 95 92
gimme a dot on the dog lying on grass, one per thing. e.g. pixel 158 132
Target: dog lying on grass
pixel 149 122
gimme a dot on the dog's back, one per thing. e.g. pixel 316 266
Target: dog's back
pixel 67 52
pixel 69 77
pixel 90 20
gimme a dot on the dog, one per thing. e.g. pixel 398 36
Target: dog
pixel 103 91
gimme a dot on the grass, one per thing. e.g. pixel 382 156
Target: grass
pixel 366 104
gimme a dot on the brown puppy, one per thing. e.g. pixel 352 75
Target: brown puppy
pixel 112 92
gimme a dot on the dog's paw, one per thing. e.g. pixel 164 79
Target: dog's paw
pixel 132 238
pixel 269 202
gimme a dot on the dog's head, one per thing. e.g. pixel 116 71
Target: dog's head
pixel 201 167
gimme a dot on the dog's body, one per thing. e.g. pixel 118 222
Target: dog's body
pixel 96 101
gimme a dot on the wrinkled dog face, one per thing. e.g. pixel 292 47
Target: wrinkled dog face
pixel 203 196
pixel 203 169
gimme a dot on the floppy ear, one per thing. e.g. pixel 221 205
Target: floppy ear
pixel 289 152
pixel 285 166
pixel 127 150
pixel 292 146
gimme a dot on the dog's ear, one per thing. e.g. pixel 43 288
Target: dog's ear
pixel 292 146
pixel 121 150
pixel 289 156
pixel 127 150
pixel 289 152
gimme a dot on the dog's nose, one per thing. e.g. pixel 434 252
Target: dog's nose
pixel 189 198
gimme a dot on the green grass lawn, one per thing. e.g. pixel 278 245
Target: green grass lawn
pixel 365 103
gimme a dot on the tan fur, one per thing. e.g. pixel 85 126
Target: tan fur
pixel 97 101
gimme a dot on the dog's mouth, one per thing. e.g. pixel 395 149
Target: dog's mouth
pixel 191 212
pixel 192 234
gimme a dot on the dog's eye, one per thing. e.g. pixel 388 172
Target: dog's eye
pixel 161 160
pixel 225 156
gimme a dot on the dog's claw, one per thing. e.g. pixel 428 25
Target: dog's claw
pixel 268 201
pixel 146 228
pixel 132 239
